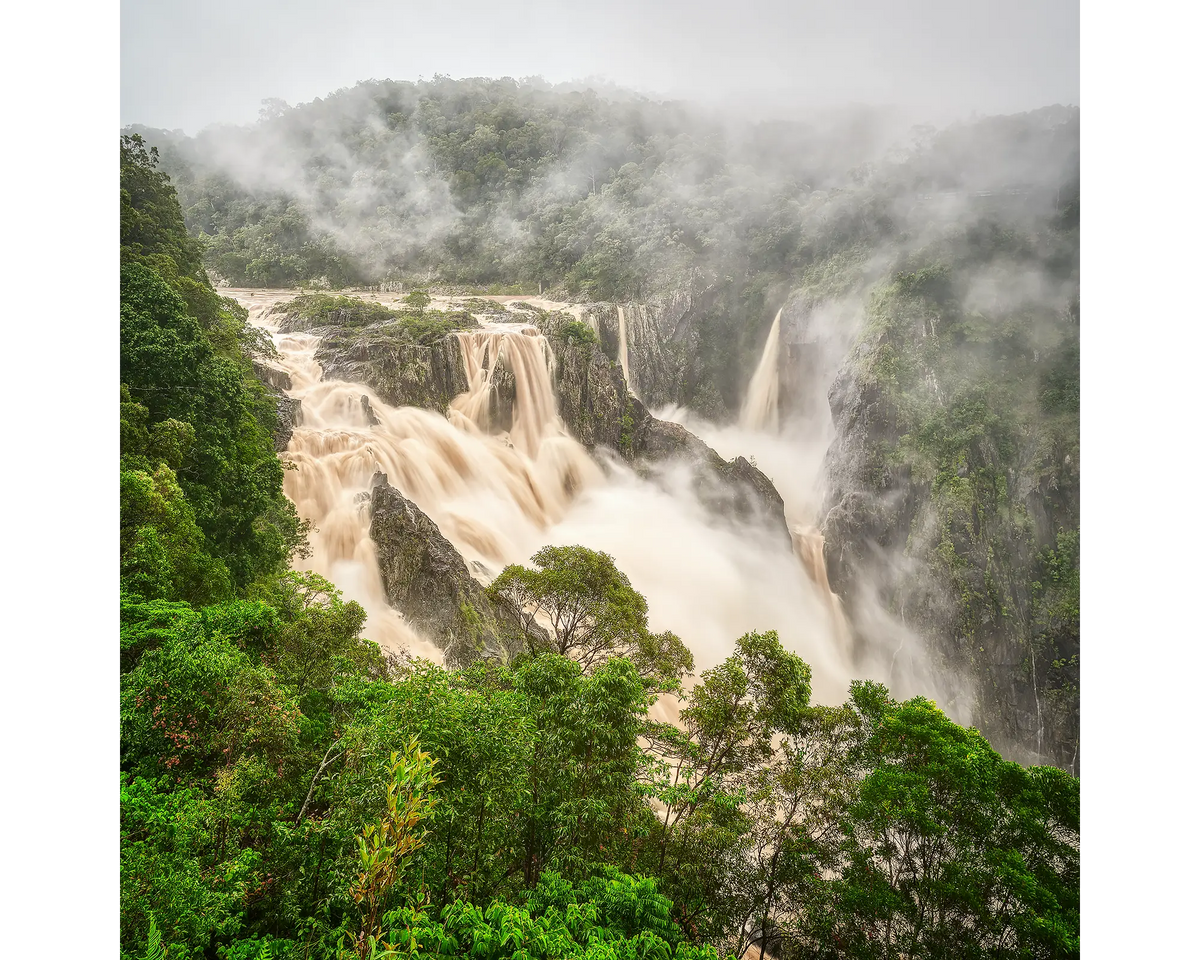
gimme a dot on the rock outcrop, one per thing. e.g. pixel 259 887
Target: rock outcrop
pixel 402 373
pixel 814 340
pixel 276 378
pixel 599 411
pixel 594 402
pixel 727 487
pixel 426 579
pixel 288 413
pixel 655 366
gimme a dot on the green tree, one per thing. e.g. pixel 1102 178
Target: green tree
pixel 174 871
pixel 701 769
pixel 949 850
pixel 386 847
pixel 593 611
pixel 612 915
pixel 794 804
pixel 230 474
pixel 584 805
pixel 479 729
pixel 163 553
pixel 151 222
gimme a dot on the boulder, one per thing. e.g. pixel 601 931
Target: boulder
pixel 426 579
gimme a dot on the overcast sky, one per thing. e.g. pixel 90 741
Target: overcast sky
pixel 185 65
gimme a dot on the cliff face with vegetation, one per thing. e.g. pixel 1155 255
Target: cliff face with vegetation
pixel 957 449
pixel 279 791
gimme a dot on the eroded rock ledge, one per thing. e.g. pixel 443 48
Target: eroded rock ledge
pixel 427 580
pixel 594 401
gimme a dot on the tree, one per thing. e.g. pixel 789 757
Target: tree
pixel 593 611
pixel 703 768
pixel 317 639
pixel 229 472
pixel 794 803
pixel 163 553
pixel 949 850
pixel 151 222
pixel 480 730
pixel 386 847
pixel 584 802
pixel 610 915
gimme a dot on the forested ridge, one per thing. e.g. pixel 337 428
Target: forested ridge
pixel 951 254
pixel 509 186
pixel 288 790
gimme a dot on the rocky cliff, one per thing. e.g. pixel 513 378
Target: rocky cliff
pixel 953 498
pixel 599 410
pixel 288 411
pixel 426 579
pixel 403 373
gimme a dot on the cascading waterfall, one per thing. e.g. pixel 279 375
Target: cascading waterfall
pixel 525 353
pixel 623 348
pixel 499 496
pixel 761 409
pixel 792 461
pixel 492 496
pixel 809 545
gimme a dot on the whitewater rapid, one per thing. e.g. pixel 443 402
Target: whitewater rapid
pixel 498 496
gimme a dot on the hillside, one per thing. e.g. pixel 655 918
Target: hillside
pixel 534 494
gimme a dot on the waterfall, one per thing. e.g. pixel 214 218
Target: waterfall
pixel 623 348
pixel 809 545
pixel 761 409
pixel 499 495
pixel 492 495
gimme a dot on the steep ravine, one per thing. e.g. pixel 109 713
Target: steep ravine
pixel 544 445
pixel 952 504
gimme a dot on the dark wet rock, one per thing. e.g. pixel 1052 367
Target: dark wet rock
pixel 277 379
pixel 402 373
pixel 599 411
pixel 426 579
pixel 287 409
pixel 289 414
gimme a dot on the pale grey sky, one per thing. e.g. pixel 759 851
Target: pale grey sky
pixel 185 65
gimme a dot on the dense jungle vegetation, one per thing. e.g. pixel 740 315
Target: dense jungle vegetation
pixel 953 252
pixel 506 186
pixel 287 790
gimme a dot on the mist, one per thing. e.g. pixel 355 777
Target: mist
pixel 765 57
pixel 847 270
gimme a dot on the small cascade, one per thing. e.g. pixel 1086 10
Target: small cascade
pixel 525 353
pixel 809 545
pixel 623 348
pixel 761 409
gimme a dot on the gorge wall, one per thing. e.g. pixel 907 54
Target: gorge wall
pixel 933 580
pixel 543 443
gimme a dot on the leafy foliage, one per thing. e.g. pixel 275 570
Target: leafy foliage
pixel 196 426
pixel 386 847
pixel 413 324
pixel 278 793
pixel 948 849
pixel 594 612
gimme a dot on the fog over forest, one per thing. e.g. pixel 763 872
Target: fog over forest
pixel 610 489
pixel 937 60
